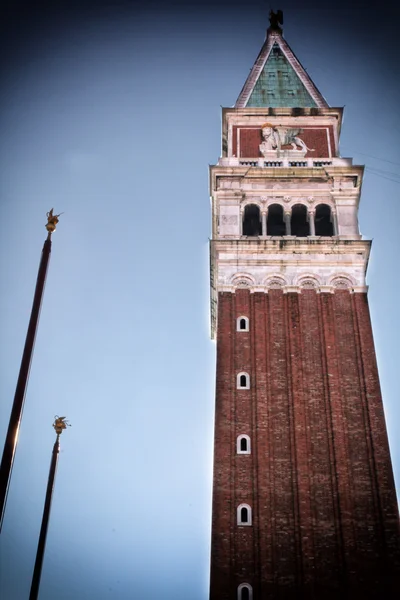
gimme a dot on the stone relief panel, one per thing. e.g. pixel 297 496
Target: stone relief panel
pixel 275 282
pixel 347 220
pixel 277 140
pixel 229 221
pixel 282 142
pixel 242 281
pixel 308 283
pixel 263 279
pixel 341 283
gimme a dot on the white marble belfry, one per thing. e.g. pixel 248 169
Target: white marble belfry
pixel 263 261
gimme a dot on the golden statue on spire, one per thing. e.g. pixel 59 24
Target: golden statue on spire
pixel 52 221
pixel 60 423
pixel 275 19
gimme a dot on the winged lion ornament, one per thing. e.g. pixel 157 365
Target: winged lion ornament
pixel 289 137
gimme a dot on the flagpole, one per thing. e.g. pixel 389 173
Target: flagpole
pixel 10 444
pixel 59 424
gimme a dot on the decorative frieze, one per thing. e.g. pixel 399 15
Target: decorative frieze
pixel 289 264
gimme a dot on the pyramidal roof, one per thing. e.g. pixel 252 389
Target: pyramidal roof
pixel 277 79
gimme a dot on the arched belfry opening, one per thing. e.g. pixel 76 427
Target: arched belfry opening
pixel 252 220
pixel 323 220
pixel 299 225
pixel 275 221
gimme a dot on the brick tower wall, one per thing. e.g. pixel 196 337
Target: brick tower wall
pixel 319 478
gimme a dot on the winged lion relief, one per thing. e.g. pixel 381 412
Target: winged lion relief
pixel 282 141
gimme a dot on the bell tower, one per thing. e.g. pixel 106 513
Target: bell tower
pixel 304 504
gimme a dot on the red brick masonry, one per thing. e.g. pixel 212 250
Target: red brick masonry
pixel 319 477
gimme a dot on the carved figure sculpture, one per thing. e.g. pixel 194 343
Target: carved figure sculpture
pixel 52 221
pixel 290 136
pixel 276 19
pixel 60 423
pixel 271 140
pixel 276 137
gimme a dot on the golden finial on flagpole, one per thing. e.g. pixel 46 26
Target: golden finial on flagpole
pixel 11 440
pixel 52 221
pixel 60 423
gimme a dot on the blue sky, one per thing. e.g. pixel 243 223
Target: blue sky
pixel 111 113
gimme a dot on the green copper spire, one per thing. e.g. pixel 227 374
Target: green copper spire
pixel 277 79
pixel 279 84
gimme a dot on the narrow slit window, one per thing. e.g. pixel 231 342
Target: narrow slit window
pixel 243 444
pixel 245 592
pixel 242 324
pixel 243 381
pixel 244 514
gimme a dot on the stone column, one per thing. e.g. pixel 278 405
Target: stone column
pixel 334 222
pixel 287 217
pixel 311 220
pixel 241 221
pixel 264 215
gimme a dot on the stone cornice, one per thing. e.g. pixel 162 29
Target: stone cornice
pixel 326 254
pixel 282 245
pixel 246 173
pixel 290 264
